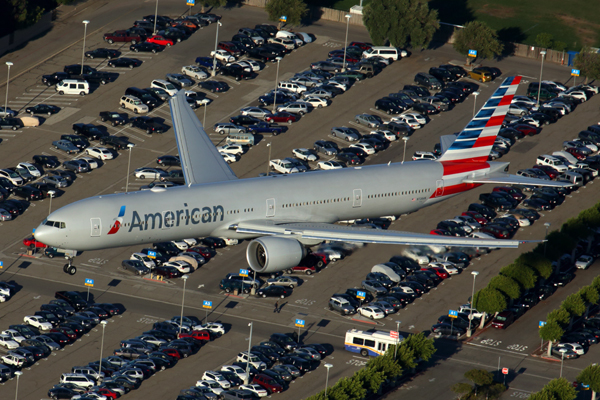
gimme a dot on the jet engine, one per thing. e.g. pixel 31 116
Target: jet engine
pixel 274 253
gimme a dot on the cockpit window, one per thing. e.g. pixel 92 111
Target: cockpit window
pixel 56 224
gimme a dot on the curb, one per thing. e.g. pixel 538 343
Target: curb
pixel 155 280
pixel 549 358
pixel 366 322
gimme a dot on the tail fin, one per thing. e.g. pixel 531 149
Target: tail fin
pixel 474 143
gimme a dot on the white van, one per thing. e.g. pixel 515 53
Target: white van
pixel 297 39
pixel 80 380
pixel 164 85
pixel 570 158
pixel 387 52
pixel 73 86
pixel 553 162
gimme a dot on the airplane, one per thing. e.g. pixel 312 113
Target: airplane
pixel 283 215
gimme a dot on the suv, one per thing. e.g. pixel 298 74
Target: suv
pixel 427 80
pixel 144 96
pixel 123 36
pixel 79 380
pixel 283 340
pixel 134 104
pixel 341 305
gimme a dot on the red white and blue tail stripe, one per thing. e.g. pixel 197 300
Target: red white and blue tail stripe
pixel 474 143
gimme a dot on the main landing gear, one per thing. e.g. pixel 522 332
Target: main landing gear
pixel 70 268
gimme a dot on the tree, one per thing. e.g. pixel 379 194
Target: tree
pixel 489 300
pixel 478 36
pixel 402 22
pixel 461 389
pixel 596 283
pixel 540 264
pixel 386 364
pixel 552 332
pixel 211 3
pixel 479 377
pixel 591 376
pixel 561 389
pixel 560 316
pixel 422 347
pixel 574 305
pixel 294 10
pixel 346 388
pixel 588 63
pixel 506 285
pixel 493 391
pixel 369 379
pixel 523 274
pixel 544 40
pixel 589 294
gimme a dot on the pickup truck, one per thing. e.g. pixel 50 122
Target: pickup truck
pixel 94 77
pixel 283 166
pixel 89 131
pixel 53 79
pixel 113 117
pixel 118 143
pixel 123 36
pixel 73 298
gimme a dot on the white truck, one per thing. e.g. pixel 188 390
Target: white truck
pixel 283 166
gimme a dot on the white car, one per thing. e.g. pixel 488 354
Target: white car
pixel 416 255
pixel 148 262
pixel 92 162
pixel 30 168
pixel 234 149
pixel 256 390
pixel 200 99
pixel 181 266
pixel 337 84
pixel 214 327
pixel 217 377
pixel 421 119
pixel 367 148
pixel 329 165
pixel 574 347
pixel 89 395
pixel 287 43
pixel 212 385
pixel 589 145
pixel 191 242
pixel 470 221
pixel 409 120
pixel 229 158
pixel 151 173
pixel 151 339
pixel 181 244
pixel 391 136
pixel 520 219
pixel 253 64
pixel 8 342
pixel 423 155
pixel 446 266
pixel 38 322
pixel 252 360
pixel 315 355
pixel 14 360
pixel 101 153
pixel 466 308
pixel 238 371
pixel 316 102
pixel 14 335
pixel 256 112
pixel 12 176
pixel 584 262
pixel 194 72
pixel 222 55
pixel 371 312
pixel 304 154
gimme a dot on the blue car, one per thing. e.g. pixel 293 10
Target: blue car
pixel 265 127
pixel 207 62
pixel 65 146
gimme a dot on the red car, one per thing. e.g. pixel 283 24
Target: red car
pixel 172 353
pixel 203 251
pixel 282 117
pixel 308 270
pixel 340 54
pixel 268 383
pixel 551 172
pixel 320 257
pixel 168 272
pixel 106 392
pixel 31 242
pixel 123 36
pixel 503 320
pixel 440 272
pixel 65 331
pixel 526 129
pixel 576 153
pixel 198 335
pixel 496 231
pixel 477 216
pixel 514 193
pixel 163 41
pixel 440 232
pixel 362 45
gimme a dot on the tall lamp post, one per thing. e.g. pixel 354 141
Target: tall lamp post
pixel 404 139
pixel 85 24
pixel 475 94
pixel 130 146
pixel 543 54
pixel 185 278
pixel 276 84
pixel 155 16
pixel 474 273
pixel 269 159
pixel 347 16
pixel 103 323
pixel 328 366
pixel 397 340
pixel 214 71
pixel 8 64
pixel 547 225
pixel 562 360
pixel 247 380
pixel 17 374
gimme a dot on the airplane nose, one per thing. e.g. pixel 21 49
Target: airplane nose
pixel 42 234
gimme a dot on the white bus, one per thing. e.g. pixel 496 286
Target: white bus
pixel 369 343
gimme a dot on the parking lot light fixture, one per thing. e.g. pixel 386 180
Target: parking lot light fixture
pixel 474 273
pixel 547 225
pixel 328 366
pixel 8 64
pixel 17 374
pixel 475 94
pixel 214 70
pixel 347 16
pixel 185 278
pixel 103 323
pixel 130 146
pixel 404 139
pixel 397 340
pixel 155 16
pixel 247 379
pixel 543 54
pixel 85 24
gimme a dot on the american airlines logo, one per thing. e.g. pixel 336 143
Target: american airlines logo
pixel 175 218
pixel 117 222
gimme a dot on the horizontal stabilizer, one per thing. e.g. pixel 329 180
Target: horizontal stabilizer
pixel 517 180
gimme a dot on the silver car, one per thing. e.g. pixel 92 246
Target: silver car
pixel 287 281
pixel 256 112
pixel 5 215
pixel 348 134
pixel 180 80
pixel 322 93
pixel 228 128
pixel 57 181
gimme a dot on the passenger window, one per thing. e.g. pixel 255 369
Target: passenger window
pixel 369 343
pixel 72 86
pixel 81 86
pixel 358 341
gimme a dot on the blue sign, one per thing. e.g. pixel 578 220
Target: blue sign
pixel 472 53
pixel 361 295
pixel 575 72
pixel 1 264
pixel 33 230
pixel 151 254
pixel 207 304
pixel 191 3
pixel 542 323
pixel 283 18
pixel 89 282
pixel 453 313
pixel 243 272
pixel 300 323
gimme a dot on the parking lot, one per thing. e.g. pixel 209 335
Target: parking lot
pixel 146 301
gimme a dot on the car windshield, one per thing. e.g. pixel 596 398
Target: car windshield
pixel 170 86
pixel 500 318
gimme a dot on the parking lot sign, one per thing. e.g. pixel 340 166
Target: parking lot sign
pixel 361 295
pixel 472 53
pixel 151 254
pixel 575 72
pixel 542 323
pixel 283 18
pixel 453 314
pixel 243 272
pixel 1 264
pixel 89 282
pixel 207 304
pixel 191 3
pixel 299 323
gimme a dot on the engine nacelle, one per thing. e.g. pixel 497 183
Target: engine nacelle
pixel 274 253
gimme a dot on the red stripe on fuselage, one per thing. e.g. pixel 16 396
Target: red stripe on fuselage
pixel 454 189
pixel 462 166
pixel 517 80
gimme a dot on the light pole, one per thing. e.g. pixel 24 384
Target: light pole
pixel 269 159
pixel 248 362
pixel 85 24
pixel 17 374
pixel 475 94
pixel 562 360
pixel 547 225
pixel 185 278
pixel 155 15
pixel 50 195
pixel 347 16
pixel 474 273
pixel 214 71
pixel 276 83
pixel 130 146
pixel 101 347
pixel 404 139
pixel 543 54
pixel 8 64
pixel 328 366
pixel 398 340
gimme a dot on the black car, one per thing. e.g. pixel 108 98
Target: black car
pixel 53 79
pixel 561 279
pixel 54 309
pixel 260 53
pixel 10 123
pixel 175 176
pixel 213 242
pixel 28 192
pixel 167 161
pixel 96 77
pixel 61 393
pixel 117 142
pixel 214 86
pixel 75 69
pixel 244 120
pixel 275 290
pixel 46 161
pixel 79 142
pixel 235 71
pixel 389 106
pixel 102 53
pixel 146 47
pixel 349 158
pixel 113 117
pixel 74 299
pixel 460 72
pixel 167 248
pixel 47 189
pixel 148 124
pixel 125 62
pixel 42 109
pixel 90 131
pixel 419 90
pixel 442 75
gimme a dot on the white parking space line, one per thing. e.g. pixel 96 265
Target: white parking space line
pixel 7 135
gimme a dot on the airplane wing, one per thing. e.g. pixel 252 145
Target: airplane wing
pixel 201 162
pixel 324 231
pixel 517 180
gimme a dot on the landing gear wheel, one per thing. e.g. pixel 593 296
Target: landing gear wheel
pixel 72 270
pixel 65 268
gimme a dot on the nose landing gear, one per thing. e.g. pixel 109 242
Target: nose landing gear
pixel 69 268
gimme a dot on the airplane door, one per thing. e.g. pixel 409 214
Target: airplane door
pixel 357 198
pixel 96 226
pixel 270 207
pixel 439 188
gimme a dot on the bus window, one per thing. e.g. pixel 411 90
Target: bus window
pixel 358 341
pixel 369 343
